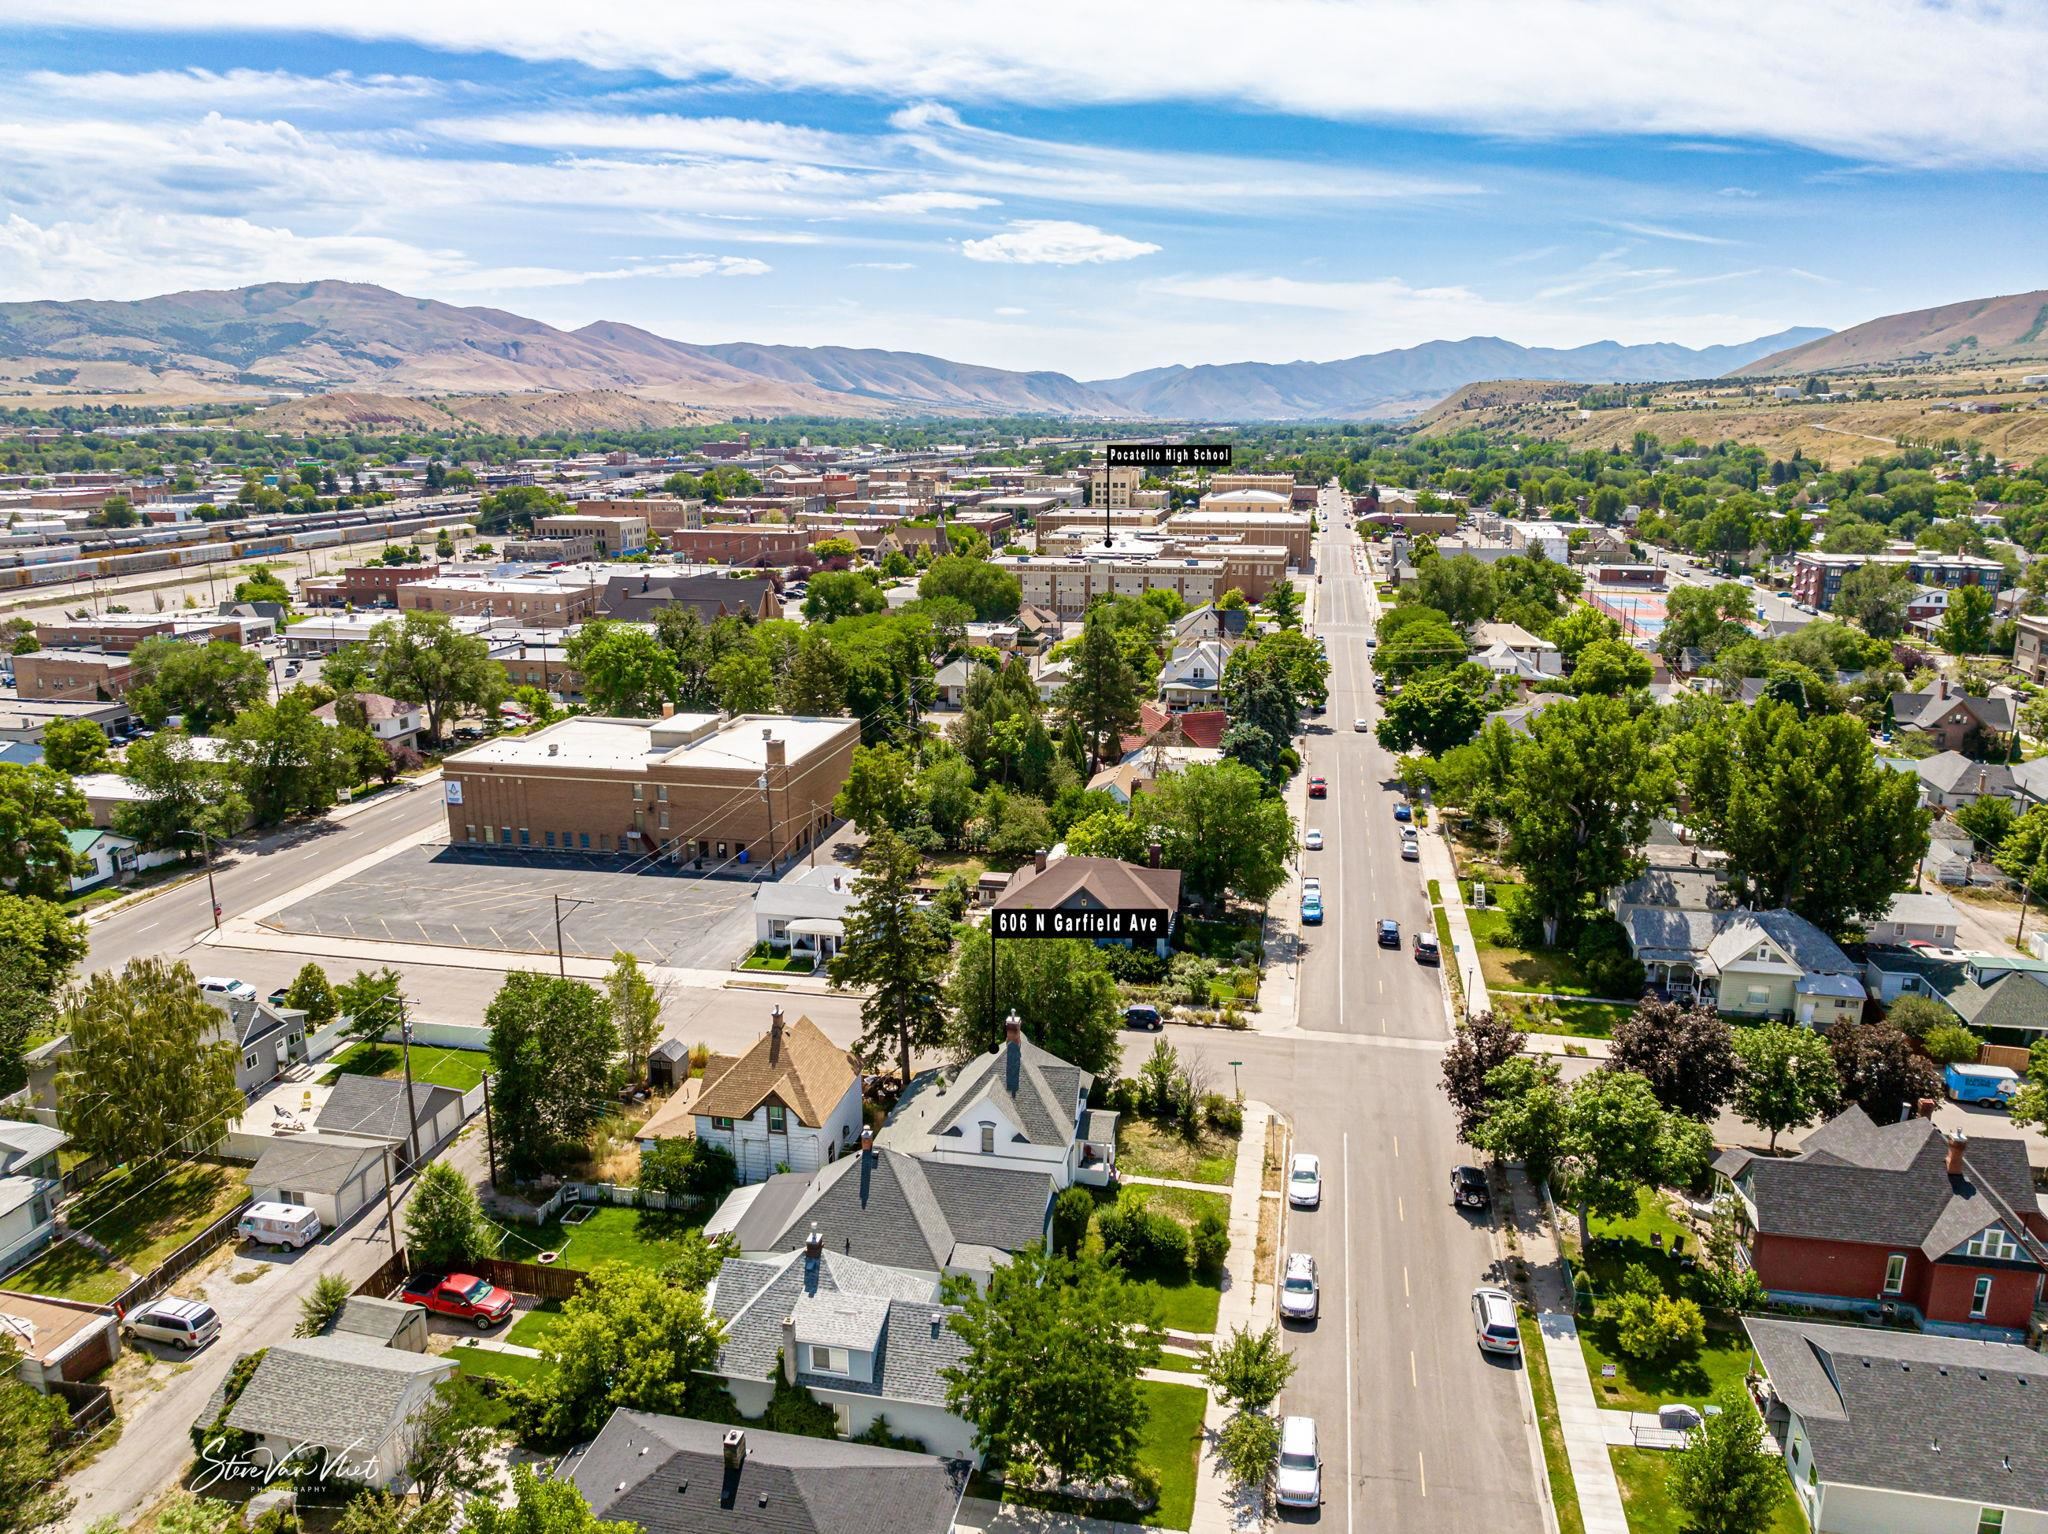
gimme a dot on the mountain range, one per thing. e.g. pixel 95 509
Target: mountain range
pixel 2011 328
pixel 323 338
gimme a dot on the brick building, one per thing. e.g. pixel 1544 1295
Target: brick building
pixel 363 585
pixel 1816 578
pixel 1197 572
pixel 123 633
pixel 757 787
pixel 614 533
pixel 73 675
pixel 1257 516
pixel 552 601
pixel 739 543
pixel 714 593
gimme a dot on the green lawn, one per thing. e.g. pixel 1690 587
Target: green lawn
pixel 461 1069
pixel 1564 1493
pixel 1509 968
pixel 1641 1473
pixel 1219 940
pixel 1188 1305
pixel 504 1366
pixel 1146 1149
pixel 535 1324
pixel 142 1217
pixel 1170 1449
pixel 764 957
pixel 1185 1202
pixel 647 1238
pixel 1573 1019
pixel 1723 1361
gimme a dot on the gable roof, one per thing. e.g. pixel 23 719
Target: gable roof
pixel 374 1105
pixel 1950 772
pixel 250 1018
pixel 376 707
pixel 2016 999
pixel 1888 1184
pixel 1923 710
pixel 667 1475
pixel 1802 943
pixel 1110 883
pixel 1913 1411
pixel 312 1163
pixel 796 1066
pixel 24 1140
pixel 332 1390
pixel 363 1315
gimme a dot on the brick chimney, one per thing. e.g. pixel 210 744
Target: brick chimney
pixel 867 1139
pixel 814 1246
pixel 1924 1108
pixel 1153 854
pixel 775 752
pixel 668 711
pixel 775 1035
pixel 1957 1144
pixel 735 1448
pixel 1038 860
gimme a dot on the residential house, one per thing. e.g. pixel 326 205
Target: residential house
pixel 1952 718
pixel 2005 1001
pixel 790 1103
pixel 104 857
pixel 58 1340
pixel 1890 1431
pixel 895 1209
pixel 28 1188
pixel 804 911
pixel 1520 717
pixel 1017 1105
pixel 1915 918
pixel 1685 930
pixel 1038 628
pixel 1897 1220
pixel 268 1040
pixel 391 721
pixel 1209 621
pixel 341 1396
pixel 1949 780
pixel 950 681
pixel 1193 675
pixel 374 1108
pixel 1523 666
pixel 680 1475
pixel 1051 677
pixel 335 1176
pixel 866 1340
pixel 1097 884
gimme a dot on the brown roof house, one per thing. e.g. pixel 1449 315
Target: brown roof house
pixel 1951 718
pixel 1096 884
pixel 789 1104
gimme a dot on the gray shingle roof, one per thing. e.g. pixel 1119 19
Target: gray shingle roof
pixel 2016 999
pixel 1914 1412
pixel 667 1475
pixel 893 1313
pixel 365 1315
pixel 1809 947
pixel 312 1163
pixel 1925 709
pixel 332 1390
pixel 375 1105
pixel 23 1140
pixel 1037 1091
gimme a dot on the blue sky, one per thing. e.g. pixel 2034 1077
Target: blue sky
pixel 1087 187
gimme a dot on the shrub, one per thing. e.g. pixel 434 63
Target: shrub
pixel 1248 1449
pixel 1211 1242
pixel 1071 1212
pixel 1188 979
pixel 1603 954
pixel 877 1434
pixel 1915 1015
pixel 1951 1044
pixel 1135 966
pixel 1651 1330
pixel 665 1165
pixel 1141 1240
pixel 1223 1114
pixel 712 1172
pixel 793 1409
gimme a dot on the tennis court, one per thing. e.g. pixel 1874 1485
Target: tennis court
pixel 1641 614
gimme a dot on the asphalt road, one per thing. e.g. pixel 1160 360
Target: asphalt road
pixel 1682 572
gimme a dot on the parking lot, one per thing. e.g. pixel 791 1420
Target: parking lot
pixel 473 898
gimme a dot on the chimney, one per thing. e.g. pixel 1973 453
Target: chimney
pixel 1038 862
pixel 789 1350
pixel 1013 1031
pixel 1153 854
pixel 835 884
pixel 1957 1144
pixel 735 1449
pixel 1924 1108
pixel 775 753
pixel 668 711
pixel 867 1139
pixel 1942 689
pixel 775 1035
pixel 814 1246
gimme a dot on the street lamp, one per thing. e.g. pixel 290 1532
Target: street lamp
pixel 206 848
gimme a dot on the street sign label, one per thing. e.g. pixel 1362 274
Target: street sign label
pixel 1169 455
pixel 1095 923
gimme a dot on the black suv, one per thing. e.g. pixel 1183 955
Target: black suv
pixel 1468 1188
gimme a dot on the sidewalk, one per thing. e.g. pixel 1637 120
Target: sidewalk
pixel 1437 865
pixel 1219 1508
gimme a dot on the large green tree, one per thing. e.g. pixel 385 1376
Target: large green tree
pixel 32 1459
pixel 149 1068
pixel 895 951
pixel 1966 625
pixel 990 590
pixel 181 792
pixel 1060 988
pixel 1437 711
pixel 1462 588
pixel 1056 1348
pixel 1609 666
pixel 38 809
pixel 1877 597
pixel 42 943
pixel 627 1340
pixel 445 1225
pixel 1616 1139
pixel 204 684
pixel 74 746
pixel 626 670
pixel 552 1047
pixel 1704 618
pixel 424 658
pixel 1102 692
pixel 1722 1479
pixel 1785 1077
pixel 1221 829
pixel 287 762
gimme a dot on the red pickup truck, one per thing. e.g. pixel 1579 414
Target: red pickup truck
pixel 459 1294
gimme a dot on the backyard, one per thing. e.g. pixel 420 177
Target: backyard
pixel 142 1217
pixel 646 1238
pixel 1172 1441
pixel 1648 1503
pixel 1187 1302
pixel 461 1069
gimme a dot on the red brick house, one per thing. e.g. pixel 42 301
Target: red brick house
pixel 1937 1229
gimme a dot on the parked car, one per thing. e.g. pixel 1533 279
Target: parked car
pixel 1313 840
pixel 187 1324
pixel 220 985
pixel 1300 1298
pixel 462 1295
pixel 1311 908
pixel 1426 950
pixel 1141 1016
pixel 1402 811
pixel 284 1226
pixel 1317 788
pixel 1411 850
pixel 1493 1321
pixel 1298 1482
pixel 1390 932
pixel 1468 1188
pixel 1305 1181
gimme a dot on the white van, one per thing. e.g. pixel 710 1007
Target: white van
pixel 280 1225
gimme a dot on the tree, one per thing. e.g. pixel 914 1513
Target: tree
pixel 1060 988
pixel 516 506
pixel 263 585
pixel 148 1068
pixel 1106 834
pixel 1966 625
pixel 370 1000
pixel 311 994
pixel 1101 695
pixel 1524 1116
pixel 182 792
pixel 896 952
pixel 1609 666
pixel 444 1220
pixel 814 685
pixel 1462 588
pixel 1685 1053
pixel 1221 829
pixel 74 746
pixel 32 1427
pixel 626 1339
pixel 1283 604
pixel 1248 1449
pixel 552 1046
pixel 550 1506
pixel 1616 1138
pixel 1581 794
pixel 38 808
pixel 1415 647
pixel 1704 618
pixel 877 793
pixel 1722 1479
pixel 286 761
pixel 635 1003
pixel 453 1435
pixel 1484 1042
pixel 1577 629
pixel 842 594
pixel 204 684
pixel 992 591
pixel 1952 1044
pixel 322 1304
pixel 42 944
pixel 2029 1104
pixel 1787 1077
pixel 626 670
pixel 424 658
pixel 1879 1070
pixel 1916 1016
pixel 1436 711
pixel 1249 1371
pixel 1877 597
pixel 1989 821
pixel 742 683
pixel 1055 1349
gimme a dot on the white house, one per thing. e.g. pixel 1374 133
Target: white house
pixel 804 911
pixel 1193 676
pixel 390 720
pixel 28 1188
pixel 1913 918
pixel 343 1395
pixel 108 857
pixel 790 1103
pixel 950 681
pixel 335 1176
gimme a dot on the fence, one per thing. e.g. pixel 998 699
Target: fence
pixel 182 1261
pixel 2006 1055
pixel 391 1272
pixel 92 1406
pixel 542 1280
pixel 620 1194
pixel 92 1169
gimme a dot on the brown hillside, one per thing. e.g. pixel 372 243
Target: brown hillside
pixel 516 414
pixel 2010 328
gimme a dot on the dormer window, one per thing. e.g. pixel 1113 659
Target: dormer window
pixel 988 1139
pixel 1995 1245
pixel 826 1360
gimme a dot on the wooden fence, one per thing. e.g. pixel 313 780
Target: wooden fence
pixel 92 1407
pixel 2004 1054
pixel 182 1261
pixel 393 1271
pixel 542 1280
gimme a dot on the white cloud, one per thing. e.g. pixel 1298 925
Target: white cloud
pixel 1011 311
pixel 268 89
pixel 1054 242
pixel 1900 80
pixel 1665 232
pixel 885 266
pixel 927 202
pixel 656 133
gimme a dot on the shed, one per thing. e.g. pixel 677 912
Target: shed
pixel 332 1175
pixel 668 1063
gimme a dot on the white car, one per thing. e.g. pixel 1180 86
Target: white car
pixel 1313 840
pixel 187 1324
pixel 1411 850
pixel 1299 1479
pixel 1300 1299
pixel 1305 1182
pixel 1493 1322
pixel 240 990
pixel 1359 725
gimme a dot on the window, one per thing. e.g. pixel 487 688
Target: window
pixel 1991 1520
pixel 661 793
pixel 639 791
pixel 829 1360
pixel 988 1139
pixel 778 1119
pixel 1895 1273
pixel 525 837
pixel 719 1121
pixel 551 839
pixel 1980 1297
pixel 1758 996
pixel 469 833
pixel 583 841
pixel 1996 1243
pixel 249 1061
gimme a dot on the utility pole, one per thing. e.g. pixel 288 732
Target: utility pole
pixel 562 964
pixel 206 846
pixel 490 1133
pixel 390 1213
pixel 412 1110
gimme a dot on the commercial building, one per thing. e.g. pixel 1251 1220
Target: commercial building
pixel 1093 519
pixel 570 548
pixel 730 791
pixel 615 533
pixel 1816 578
pixel 2030 651
pixel 1115 488
pixel 363 585
pixel 123 633
pixel 1198 573
pixel 74 675
pixel 714 594
pixel 1272 484
pixel 550 600
pixel 1256 516
pixel 740 543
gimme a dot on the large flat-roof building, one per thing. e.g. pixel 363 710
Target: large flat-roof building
pixel 1197 572
pixel 1816 578
pixel 551 600
pixel 756 788
pixel 614 533
pixel 1257 516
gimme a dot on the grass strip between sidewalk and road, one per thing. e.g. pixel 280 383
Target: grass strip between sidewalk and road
pixel 1557 1469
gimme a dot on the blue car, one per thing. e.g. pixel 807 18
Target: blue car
pixel 1311 910
pixel 1401 810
